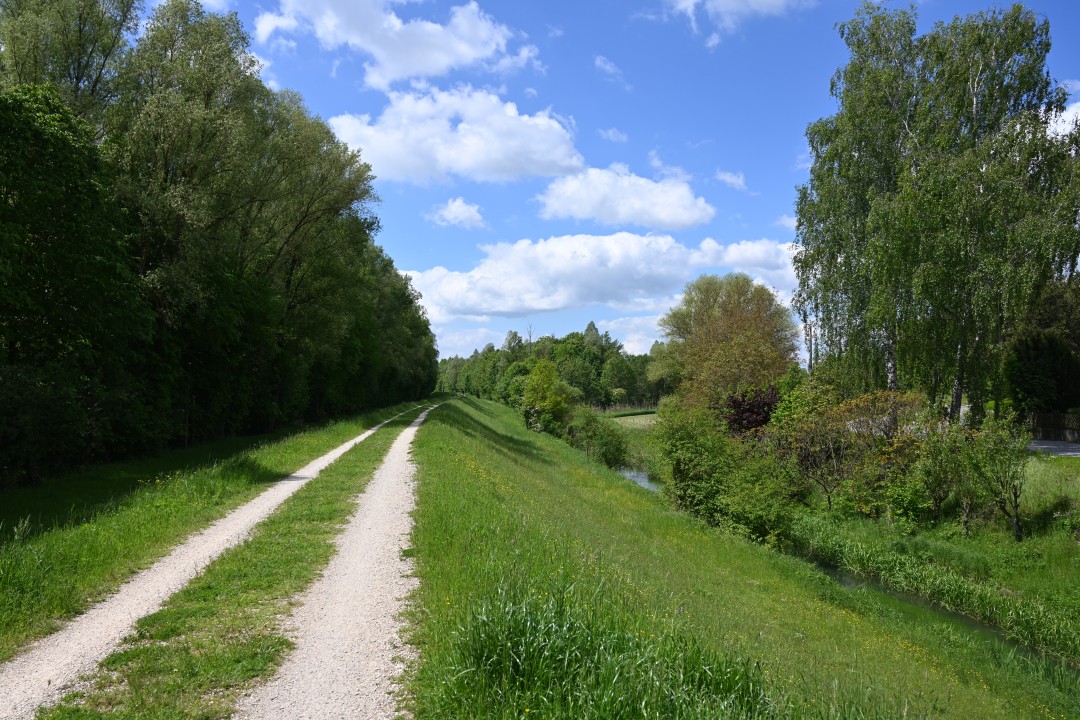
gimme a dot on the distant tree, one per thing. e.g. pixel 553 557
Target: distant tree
pixel 547 401
pixel 728 333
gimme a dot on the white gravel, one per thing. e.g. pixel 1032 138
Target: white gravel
pixel 44 672
pixel 348 652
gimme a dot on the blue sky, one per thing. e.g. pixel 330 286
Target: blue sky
pixel 542 164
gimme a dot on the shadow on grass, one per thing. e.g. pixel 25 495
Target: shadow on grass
pixel 79 495
pixel 1047 517
pixel 454 417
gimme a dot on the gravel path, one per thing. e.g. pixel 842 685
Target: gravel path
pixel 346 627
pixel 42 673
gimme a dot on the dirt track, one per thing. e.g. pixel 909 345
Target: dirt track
pixel 42 673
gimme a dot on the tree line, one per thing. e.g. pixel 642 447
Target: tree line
pixel 594 367
pixel 184 253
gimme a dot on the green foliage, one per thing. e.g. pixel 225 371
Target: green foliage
pixel 939 204
pixel 184 254
pixel 722 480
pixel 547 402
pixel 600 437
pixel 727 334
pixel 507 520
pixel 1000 459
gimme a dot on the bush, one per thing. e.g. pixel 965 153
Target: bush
pixel 724 481
pixel 599 437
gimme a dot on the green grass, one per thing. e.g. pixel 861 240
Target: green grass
pixel 551 584
pixel 1027 589
pixel 222 633
pixel 51 570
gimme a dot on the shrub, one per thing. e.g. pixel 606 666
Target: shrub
pixel 745 410
pixel 599 437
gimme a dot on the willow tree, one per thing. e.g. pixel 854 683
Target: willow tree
pixel 939 201
pixel 727 334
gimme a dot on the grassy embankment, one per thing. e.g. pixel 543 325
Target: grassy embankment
pixel 1026 589
pixel 76 538
pixel 222 632
pixel 551 587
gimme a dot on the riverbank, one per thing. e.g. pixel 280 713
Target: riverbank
pixel 496 501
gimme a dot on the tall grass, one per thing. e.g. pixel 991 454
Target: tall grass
pixel 551 585
pixel 48 574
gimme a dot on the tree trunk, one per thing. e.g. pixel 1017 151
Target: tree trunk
pixel 892 379
pixel 958 382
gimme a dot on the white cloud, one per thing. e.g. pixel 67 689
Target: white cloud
pixel 787 221
pixel 268 23
pixel 616 196
pixel 667 171
pixel 768 261
pixel 527 55
pixel 611 71
pixel 428 135
pixel 627 271
pixel 636 333
pixel 570 271
pixel 732 179
pixel 613 135
pixel 400 49
pixel 1067 121
pixel 726 15
pixel 461 343
pixel 460 213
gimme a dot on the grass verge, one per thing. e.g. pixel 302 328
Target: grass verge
pixel 550 586
pixel 51 573
pixel 222 632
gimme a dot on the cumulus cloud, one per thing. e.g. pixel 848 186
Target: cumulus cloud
pixel 613 135
pixel 515 279
pixel 400 49
pixel 733 180
pixel 460 213
pixel 429 135
pixel 615 196
pixel 626 271
pixel 787 221
pixel 767 261
pixel 727 15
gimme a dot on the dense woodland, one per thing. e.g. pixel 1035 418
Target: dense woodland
pixel 184 253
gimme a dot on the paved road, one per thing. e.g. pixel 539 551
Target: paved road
pixel 1055 447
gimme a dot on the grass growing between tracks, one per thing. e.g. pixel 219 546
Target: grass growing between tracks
pixel 551 587
pixel 67 551
pixel 190 659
